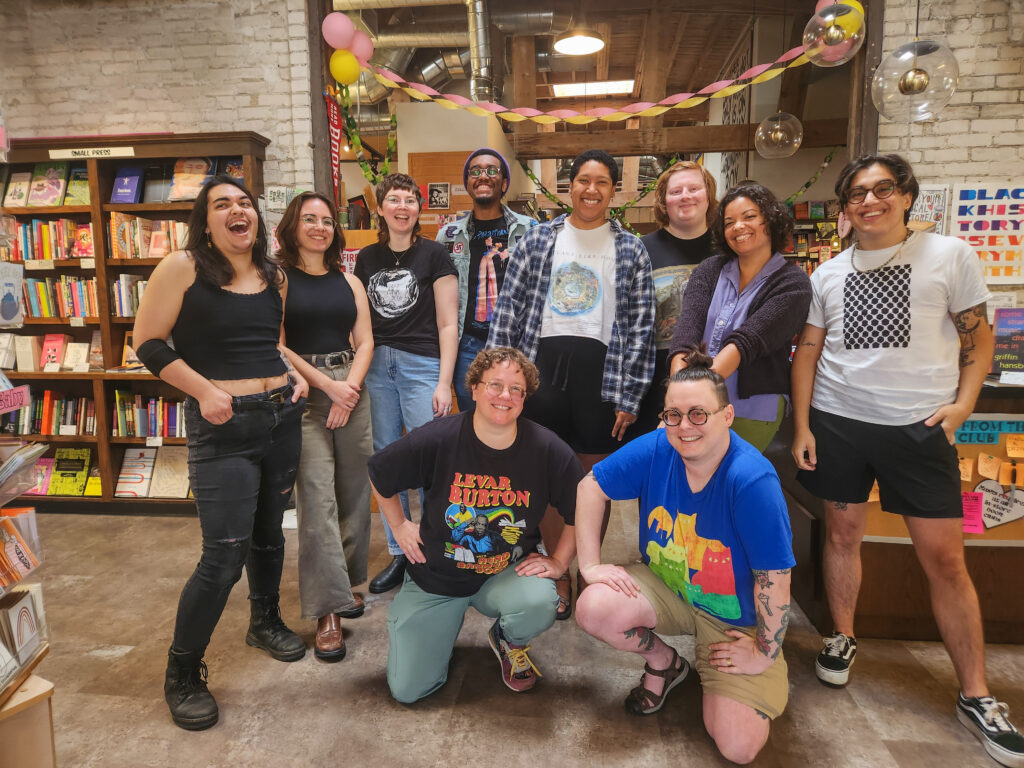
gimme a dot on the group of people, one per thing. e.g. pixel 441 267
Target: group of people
pixel 588 365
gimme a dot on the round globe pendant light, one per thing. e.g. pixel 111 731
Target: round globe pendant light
pixel 835 32
pixel 778 135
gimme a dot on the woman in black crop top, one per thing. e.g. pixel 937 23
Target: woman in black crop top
pixel 327 316
pixel 221 300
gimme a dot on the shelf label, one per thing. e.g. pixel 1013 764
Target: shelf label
pixel 80 368
pixel 13 399
pixel 51 368
pixel 77 322
pixel 88 263
pixel 68 429
pixel 154 442
pixel 31 264
pixel 77 154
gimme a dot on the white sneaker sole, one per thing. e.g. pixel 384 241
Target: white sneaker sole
pixel 997 753
pixel 831 677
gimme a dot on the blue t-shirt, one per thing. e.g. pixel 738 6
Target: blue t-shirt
pixel 704 545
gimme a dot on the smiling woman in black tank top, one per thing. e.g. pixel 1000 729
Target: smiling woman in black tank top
pixel 221 301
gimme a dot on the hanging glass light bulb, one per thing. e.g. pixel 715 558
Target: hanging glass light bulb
pixel 778 135
pixel 835 32
pixel 914 82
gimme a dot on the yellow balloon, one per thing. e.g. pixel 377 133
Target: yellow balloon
pixel 344 67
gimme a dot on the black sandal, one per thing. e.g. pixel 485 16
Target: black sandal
pixel 564 609
pixel 642 701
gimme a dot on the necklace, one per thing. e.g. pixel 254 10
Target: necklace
pixel 398 256
pixel 887 262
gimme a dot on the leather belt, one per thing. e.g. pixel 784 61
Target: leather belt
pixel 330 360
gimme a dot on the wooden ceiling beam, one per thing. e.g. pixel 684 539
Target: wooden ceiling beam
pixel 794 83
pixel 666 141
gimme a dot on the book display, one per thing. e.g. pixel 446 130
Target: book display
pixel 87 258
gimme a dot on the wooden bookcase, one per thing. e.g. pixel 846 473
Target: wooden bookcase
pixel 97 153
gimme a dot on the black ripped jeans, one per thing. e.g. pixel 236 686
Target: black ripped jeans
pixel 242 472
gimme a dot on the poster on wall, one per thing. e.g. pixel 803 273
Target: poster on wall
pixel 930 206
pixel 438 195
pixel 990 218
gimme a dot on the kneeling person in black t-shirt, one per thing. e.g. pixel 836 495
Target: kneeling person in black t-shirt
pixel 488 476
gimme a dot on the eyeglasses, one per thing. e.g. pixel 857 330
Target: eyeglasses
pixel 696 416
pixel 492 172
pixel 496 388
pixel 395 200
pixel 311 221
pixel 881 190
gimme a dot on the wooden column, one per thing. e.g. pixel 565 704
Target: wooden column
pixel 524 73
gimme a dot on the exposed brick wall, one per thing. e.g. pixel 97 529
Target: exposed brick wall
pixel 980 135
pixel 134 66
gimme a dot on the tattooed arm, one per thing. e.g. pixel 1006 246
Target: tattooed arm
pixel 976 346
pixel 747 655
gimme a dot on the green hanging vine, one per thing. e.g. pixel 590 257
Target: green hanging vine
pixel 344 101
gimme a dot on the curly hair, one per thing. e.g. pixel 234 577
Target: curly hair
pixel 388 184
pixel 778 221
pixel 600 156
pixel 698 368
pixel 288 228
pixel 488 358
pixel 906 182
pixel 661 191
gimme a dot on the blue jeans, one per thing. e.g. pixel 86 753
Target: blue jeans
pixel 469 346
pixel 242 473
pixel 401 387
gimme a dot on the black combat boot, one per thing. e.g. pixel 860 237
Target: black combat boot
pixel 268 631
pixel 190 701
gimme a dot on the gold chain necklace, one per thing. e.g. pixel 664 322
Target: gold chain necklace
pixel 398 256
pixel 886 263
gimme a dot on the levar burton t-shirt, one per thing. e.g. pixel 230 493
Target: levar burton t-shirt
pixel 581 293
pixel 483 506
pixel 400 289
pixel 891 353
pixel 704 545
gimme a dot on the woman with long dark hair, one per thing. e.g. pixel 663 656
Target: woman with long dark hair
pixel 329 340
pixel 221 301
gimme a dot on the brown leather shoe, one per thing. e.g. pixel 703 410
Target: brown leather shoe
pixel 330 643
pixel 356 610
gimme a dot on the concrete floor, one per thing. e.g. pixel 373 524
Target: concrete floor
pixel 111 587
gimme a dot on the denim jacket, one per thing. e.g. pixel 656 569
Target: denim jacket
pixel 456 236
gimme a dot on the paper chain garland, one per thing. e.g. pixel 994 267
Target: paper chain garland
pixel 719 90
pixel 817 175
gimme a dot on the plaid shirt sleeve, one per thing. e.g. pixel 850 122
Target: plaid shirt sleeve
pixel 629 364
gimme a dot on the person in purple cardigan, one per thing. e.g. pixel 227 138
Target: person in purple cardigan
pixel 747 303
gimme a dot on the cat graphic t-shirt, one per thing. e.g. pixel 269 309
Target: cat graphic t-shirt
pixel 704 545
pixel 400 289
pixel 483 506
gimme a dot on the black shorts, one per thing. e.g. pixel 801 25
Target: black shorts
pixel 917 469
pixel 568 401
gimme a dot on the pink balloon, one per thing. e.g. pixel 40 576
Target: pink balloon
pixel 337 30
pixel 361 46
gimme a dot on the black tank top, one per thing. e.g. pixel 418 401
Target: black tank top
pixel 320 313
pixel 226 335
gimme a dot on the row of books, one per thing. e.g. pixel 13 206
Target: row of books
pixel 815 209
pixel 64 296
pixel 69 472
pixel 126 294
pixel 155 473
pixel 48 184
pixel 135 237
pixel 51 413
pixel 55 240
pixel 137 416
pixel 155 183
pixel 58 350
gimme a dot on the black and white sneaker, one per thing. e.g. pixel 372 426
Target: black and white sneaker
pixel 988 720
pixel 836 658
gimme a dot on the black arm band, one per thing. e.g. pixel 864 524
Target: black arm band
pixel 156 354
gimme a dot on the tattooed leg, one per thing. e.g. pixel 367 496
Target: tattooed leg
pixel 645 636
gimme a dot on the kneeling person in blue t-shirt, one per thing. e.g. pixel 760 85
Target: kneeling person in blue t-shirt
pixel 717 551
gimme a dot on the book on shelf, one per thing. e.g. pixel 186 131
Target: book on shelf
pixel 190 174
pixel 127 184
pixel 54 346
pixel 76 356
pixel 83 247
pixel 27 350
pixel 170 473
pixel 43 473
pixel 166 236
pixel 93 483
pixel 96 351
pixel 70 471
pixel 19 623
pixel 65 296
pixel 156 183
pixel 1008 329
pixel 51 413
pixel 17 189
pixel 78 187
pixel 49 180
pixel 136 473
pixel 7 350
pixel 232 166
pixel 126 294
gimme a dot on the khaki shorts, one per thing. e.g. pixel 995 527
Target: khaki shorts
pixel 767 692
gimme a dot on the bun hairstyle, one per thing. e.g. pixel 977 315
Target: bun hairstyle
pixel 698 368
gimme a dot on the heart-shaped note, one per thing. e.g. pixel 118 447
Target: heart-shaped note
pixel 998 507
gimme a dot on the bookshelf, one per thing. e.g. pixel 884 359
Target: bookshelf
pixel 102 155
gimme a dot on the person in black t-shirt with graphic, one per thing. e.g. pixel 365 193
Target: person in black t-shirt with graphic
pixel 489 476
pixel 684 206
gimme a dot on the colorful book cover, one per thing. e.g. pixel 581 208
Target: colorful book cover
pixel 170 475
pixel 120 235
pixel 43 472
pixel 190 173
pixel 127 185
pixel 49 180
pixel 96 351
pixel 17 190
pixel 1009 340
pixel 232 166
pixel 70 471
pixel 54 346
pixel 93 484
pixel 78 187
pixel 15 549
pixel 83 246
pixel 136 473
pixel 159 243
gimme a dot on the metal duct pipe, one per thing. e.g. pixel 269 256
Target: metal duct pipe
pixel 529 21
pixel 359 5
pixel 422 36
pixel 441 69
pixel 395 59
pixel 481 83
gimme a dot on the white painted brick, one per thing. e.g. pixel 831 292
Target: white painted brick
pixel 996 97
pixel 1000 67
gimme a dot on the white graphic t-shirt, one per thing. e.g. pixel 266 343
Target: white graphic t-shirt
pixel 581 294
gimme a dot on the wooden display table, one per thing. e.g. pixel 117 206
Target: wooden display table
pixel 26 726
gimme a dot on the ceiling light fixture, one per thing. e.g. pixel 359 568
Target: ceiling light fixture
pixel 580 39
pixel 835 32
pixel 779 135
pixel 600 88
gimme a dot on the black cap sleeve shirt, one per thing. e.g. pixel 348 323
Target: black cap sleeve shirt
pixel 483 506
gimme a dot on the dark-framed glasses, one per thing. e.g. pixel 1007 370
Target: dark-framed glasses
pixel 673 417
pixel 496 388
pixel 491 171
pixel 881 190
pixel 311 221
